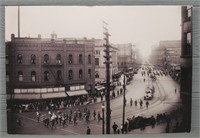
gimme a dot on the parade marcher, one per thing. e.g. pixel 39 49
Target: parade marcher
pixel 94 115
pixel 88 131
pixel 131 102
pixel 135 103
pixel 63 121
pixel 19 122
pixel 141 103
pixel 115 126
pixel 99 116
pixel 118 93
pixel 147 104
pixel 38 116
pixel 74 119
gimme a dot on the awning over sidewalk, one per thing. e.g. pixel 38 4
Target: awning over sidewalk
pixel 76 93
pixel 54 95
pixel 26 96
pixel 36 96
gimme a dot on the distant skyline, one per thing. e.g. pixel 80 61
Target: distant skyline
pixel 142 26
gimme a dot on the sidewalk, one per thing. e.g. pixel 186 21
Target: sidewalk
pixel 99 98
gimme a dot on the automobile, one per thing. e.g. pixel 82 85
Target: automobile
pixel 149 93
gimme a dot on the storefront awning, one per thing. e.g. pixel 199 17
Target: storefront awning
pixel 76 93
pixel 26 96
pixel 54 95
pixel 31 96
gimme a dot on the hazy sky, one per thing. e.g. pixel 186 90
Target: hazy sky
pixel 140 25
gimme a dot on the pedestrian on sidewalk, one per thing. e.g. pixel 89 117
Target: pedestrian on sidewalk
pixel 126 127
pixel 88 132
pixel 175 90
pixel 115 126
pixel 144 79
pixel 122 129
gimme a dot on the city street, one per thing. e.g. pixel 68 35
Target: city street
pixel 165 100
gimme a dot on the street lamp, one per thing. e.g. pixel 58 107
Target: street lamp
pixel 103 107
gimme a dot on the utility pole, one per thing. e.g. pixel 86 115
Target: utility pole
pixel 124 87
pixel 18 21
pixel 107 63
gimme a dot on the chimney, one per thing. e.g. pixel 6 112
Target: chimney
pixel 39 36
pixel 12 36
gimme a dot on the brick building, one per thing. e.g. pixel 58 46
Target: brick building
pixel 49 68
pixel 186 66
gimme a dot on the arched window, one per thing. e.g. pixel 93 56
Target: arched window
pixel 19 59
pixel 33 58
pixel 46 76
pixel 46 59
pixel 89 59
pixel 33 76
pixel 58 59
pixel 96 74
pixel 70 60
pixel 20 76
pixel 80 59
pixel 59 75
pixel 89 73
pixel 80 74
pixel 70 75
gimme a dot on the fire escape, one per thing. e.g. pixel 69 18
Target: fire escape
pixel 55 69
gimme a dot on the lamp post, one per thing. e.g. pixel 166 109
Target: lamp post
pixel 103 125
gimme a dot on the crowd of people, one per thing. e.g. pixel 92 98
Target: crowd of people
pixel 141 122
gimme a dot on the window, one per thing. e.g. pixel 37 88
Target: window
pixel 7 60
pixel 89 59
pixel 33 58
pixel 58 59
pixel 96 74
pixel 80 74
pixel 19 59
pixel 33 76
pixel 59 75
pixel 97 61
pixel 80 59
pixel 20 76
pixel 46 59
pixel 70 74
pixel 7 76
pixel 89 73
pixel 97 52
pixel 46 76
pixel 70 61
pixel 189 37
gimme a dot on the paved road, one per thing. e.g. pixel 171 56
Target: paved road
pixel 165 100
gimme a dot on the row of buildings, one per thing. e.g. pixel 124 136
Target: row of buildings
pixel 167 55
pixel 40 68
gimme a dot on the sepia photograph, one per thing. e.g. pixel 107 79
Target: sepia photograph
pixel 95 70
